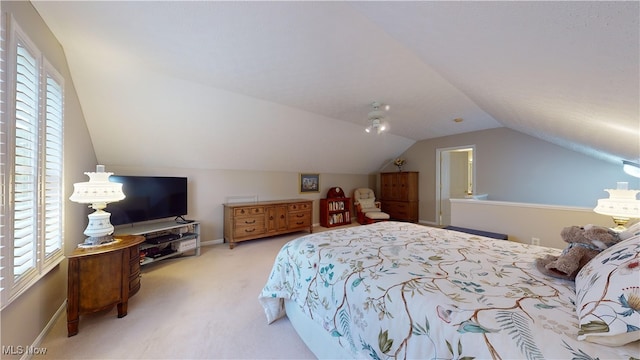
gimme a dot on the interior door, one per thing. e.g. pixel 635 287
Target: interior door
pixel 445 189
pixel 455 179
pixel 458 174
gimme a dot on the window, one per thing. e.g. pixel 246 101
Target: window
pixel 32 144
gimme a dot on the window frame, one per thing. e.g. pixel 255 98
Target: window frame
pixel 12 287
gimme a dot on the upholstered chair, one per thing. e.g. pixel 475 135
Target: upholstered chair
pixel 368 210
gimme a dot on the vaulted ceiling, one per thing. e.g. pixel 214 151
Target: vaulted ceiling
pixel 287 85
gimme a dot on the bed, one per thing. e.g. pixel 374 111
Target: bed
pixel 402 290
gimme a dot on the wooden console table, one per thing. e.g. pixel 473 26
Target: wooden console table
pixel 101 277
pixel 254 220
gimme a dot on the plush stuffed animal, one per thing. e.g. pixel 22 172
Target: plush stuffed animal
pixel 584 244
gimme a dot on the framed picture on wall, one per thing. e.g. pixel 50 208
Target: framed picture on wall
pixel 309 183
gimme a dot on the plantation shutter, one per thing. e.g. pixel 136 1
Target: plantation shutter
pixel 53 167
pixel 26 151
pixel 3 166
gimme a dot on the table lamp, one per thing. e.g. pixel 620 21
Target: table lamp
pixel 98 192
pixel 621 205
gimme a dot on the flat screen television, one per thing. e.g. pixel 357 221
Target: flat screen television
pixel 148 198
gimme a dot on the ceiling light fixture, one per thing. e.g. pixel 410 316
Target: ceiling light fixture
pixel 377 120
pixel 631 168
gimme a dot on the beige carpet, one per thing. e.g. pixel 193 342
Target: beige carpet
pixel 202 307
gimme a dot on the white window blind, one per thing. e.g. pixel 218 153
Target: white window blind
pixel 3 156
pixel 53 165
pixel 25 188
pixel 31 222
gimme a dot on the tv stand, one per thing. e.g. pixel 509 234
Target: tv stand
pixel 181 220
pixel 165 239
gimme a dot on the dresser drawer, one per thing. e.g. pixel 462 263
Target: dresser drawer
pixel 299 220
pixel 134 270
pixel 300 206
pixel 134 253
pixel 398 208
pixel 254 228
pixel 246 211
pixel 249 221
pixel 134 282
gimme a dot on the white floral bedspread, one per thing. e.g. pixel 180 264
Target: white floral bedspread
pixel 401 290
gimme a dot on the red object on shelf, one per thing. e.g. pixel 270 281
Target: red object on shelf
pixel 335 192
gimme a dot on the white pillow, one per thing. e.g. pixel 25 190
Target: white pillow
pixel 608 295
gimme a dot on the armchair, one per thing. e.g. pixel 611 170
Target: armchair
pixel 368 210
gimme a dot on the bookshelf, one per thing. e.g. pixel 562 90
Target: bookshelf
pixel 335 211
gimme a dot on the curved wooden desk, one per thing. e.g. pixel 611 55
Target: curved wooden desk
pixel 101 277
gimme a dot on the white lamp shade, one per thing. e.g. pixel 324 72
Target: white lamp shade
pixel 621 203
pixel 97 190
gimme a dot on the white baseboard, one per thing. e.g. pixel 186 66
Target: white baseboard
pixel 425 222
pixel 211 242
pixel 36 343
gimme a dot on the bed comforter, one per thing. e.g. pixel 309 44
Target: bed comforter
pixel 401 290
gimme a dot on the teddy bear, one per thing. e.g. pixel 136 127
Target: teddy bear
pixel 585 242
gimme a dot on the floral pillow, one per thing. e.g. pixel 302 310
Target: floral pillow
pixel 608 295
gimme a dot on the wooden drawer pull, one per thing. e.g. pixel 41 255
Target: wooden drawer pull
pixel 250 222
pixel 250 231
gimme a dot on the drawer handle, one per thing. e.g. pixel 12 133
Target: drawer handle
pixel 300 215
pixel 250 222
pixel 250 231
pixel 300 223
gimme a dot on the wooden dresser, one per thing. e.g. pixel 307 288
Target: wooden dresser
pixel 399 195
pixel 254 220
pixel 101 277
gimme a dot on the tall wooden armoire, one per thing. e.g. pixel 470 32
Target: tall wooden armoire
pixel 399 195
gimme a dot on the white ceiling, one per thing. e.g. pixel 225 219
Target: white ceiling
pixel 287 85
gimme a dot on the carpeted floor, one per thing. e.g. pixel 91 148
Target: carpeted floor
pixel 203 307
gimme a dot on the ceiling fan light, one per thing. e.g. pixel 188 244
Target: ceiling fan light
pixel 631 168
pixel 376 119
pixel 376 114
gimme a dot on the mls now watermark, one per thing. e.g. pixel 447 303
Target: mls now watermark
pixel 23 350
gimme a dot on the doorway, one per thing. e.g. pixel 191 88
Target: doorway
pixel 455 179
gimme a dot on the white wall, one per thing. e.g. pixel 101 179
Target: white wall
pixel 512 166
pixel 522 222
pixel 209 189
